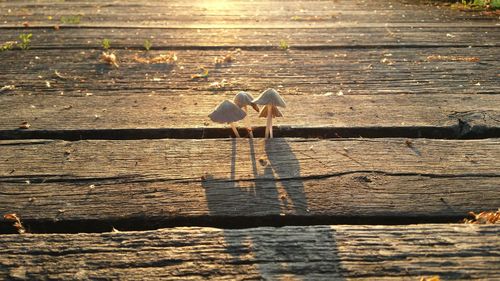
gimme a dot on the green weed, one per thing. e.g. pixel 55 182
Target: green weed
pixel 106 44
pixel 147 44
pixel 283 45
pixel 25 41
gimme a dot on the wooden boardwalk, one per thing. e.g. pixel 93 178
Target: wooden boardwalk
pixel 391 136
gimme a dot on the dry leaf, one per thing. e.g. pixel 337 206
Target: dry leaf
pixel 487 217
pixel 203 75
pixel 228 58
pixel 109 58
pixel 169 58
pixel 16 222
pixel 7 88
pixel 24 125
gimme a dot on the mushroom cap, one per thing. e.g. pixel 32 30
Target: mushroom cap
pixel 270 96
pixel 243 99
pixel 227 112
pixel 275 111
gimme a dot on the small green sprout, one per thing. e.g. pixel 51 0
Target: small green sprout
pixel 106 44
pixel 70 19
pixel 147 44
pixel 25 41
pixel 284 45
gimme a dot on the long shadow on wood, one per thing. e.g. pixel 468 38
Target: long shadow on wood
pixel 266 195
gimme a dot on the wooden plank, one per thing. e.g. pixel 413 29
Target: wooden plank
pixel 453 252
pixel 450 116
pixel 134 183
pixel 372 71
pixel 351 37
pixel 234 14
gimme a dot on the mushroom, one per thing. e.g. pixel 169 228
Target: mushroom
pixel 242 100
pixel 228 112
pixel 271 99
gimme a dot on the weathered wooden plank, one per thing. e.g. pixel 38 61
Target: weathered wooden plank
pixel 455 115
pixel 335 37
pixel 372 71
pixel 135 183
pixel 453 252
pixel 233 14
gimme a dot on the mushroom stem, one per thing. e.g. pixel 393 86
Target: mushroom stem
pixel 235 130
pixel 269 126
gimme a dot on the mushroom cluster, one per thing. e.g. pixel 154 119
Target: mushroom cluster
pixel 230 112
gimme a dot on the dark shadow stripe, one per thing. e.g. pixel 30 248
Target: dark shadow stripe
pixel 446 132
pixel 225 222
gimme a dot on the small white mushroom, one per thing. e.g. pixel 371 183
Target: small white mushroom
pixel 271 99
pixel 228 112
pixel 243 99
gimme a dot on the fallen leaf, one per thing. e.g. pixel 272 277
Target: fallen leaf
pixel 228 58
pixel 7 88
pixel 109 58
pixel 169 58
pixel 487 217
pixel 16 222
pixel 203 75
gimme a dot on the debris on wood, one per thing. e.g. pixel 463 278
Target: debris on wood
pixel 487 217
pixel 218 85
pixel 451 58
pixel 228 58
pixel 263 161
pixel 169 58
pixel 433 278
pixel 16 222
pixel 59 75
pixel 109 58
pixel 9 45
pixel 24 125
pixel 409 143
pixel 47 84
pixel 115 230
pixel 203 75
pixel 7 88
pixel 387 61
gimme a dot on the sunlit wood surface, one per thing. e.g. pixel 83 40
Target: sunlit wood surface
pixel 392 118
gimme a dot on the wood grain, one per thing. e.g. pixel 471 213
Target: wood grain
pixel 178 109
pixel 453 252
pixel 316 72
pixel 312 14
pixel 162 180
pixel 261 38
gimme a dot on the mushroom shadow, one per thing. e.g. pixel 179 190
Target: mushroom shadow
pixel 238 203
pixel 286 167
